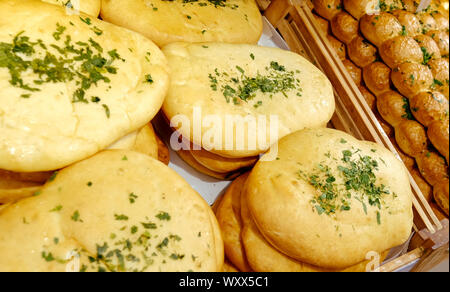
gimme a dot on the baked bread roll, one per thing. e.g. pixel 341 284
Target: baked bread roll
pixel 358 8
pixel 409 5
pixel 322 23
pixel 438 134
pixel 368 97
pixel 441 195
pixel 412 78
pixel 164 22
pixel 387 128
pixel 429 48
pixel 432 166
pixel 439 69
pixel 244 81
pixel 407 160
pixel 441 21
pixel 377 77
pixel 424 187
pixel 110 221
pixel 361 52
pixel 353 70
pixel 344 27
pixel 338 47
pixel 72 113
pixel 410 23
pixel 411 138
pixel 393 107
pixel 284 196
pixel 378 28
pixel 91 7
pixel 441 39
pixel 428 107
pixel 327 8
pixel 427 21
pixel 399 50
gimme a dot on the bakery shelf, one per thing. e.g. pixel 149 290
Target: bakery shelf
pixel 295 22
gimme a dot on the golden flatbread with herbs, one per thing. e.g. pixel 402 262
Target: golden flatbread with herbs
pixel 124 217
pixel 329 199
pixel 164 22
pixel 91 7
pixel 15 186
pixel 70 85
pixel 248 82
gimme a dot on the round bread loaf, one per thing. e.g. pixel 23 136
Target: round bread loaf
pixel 428 107
pixel 438 133
pixel 344 27
pixel 377 77
pixel 230 223
pixel 164 22
pixel 410 23
pixel 412 78
pixel 409 5
pixel 429 48
pixel 361 52
pixel 441 21
pixel 114 85
pixel 441 195
pixel 393 107
pixel 432 166
pixel 327 8
pixel 322 23
pixel 439 69
pixel 338 47
pixel 353 70
pixel 399 50
pixel 387 128
pixel 369 97
pixel 427 21
pixel 221 164
pixel 411 137
pixel 378 28
pixel 119 218
pixel 407 160
pixel 424 187
pixel 315 205
pixel 232 84
pixel 91 7
pixel 441 39
pixel 358 8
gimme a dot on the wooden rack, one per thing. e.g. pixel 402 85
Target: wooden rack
pixel 294 21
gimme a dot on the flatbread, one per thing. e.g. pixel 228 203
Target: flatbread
pixel 215 80
pixel 265 258
pixel 51 121
pixel 221 164
pixel 125 216
pixel 287 202
pixel 230 224
pixel 186 156
pixel 91 7
pixel 16 186
pixel 164 22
